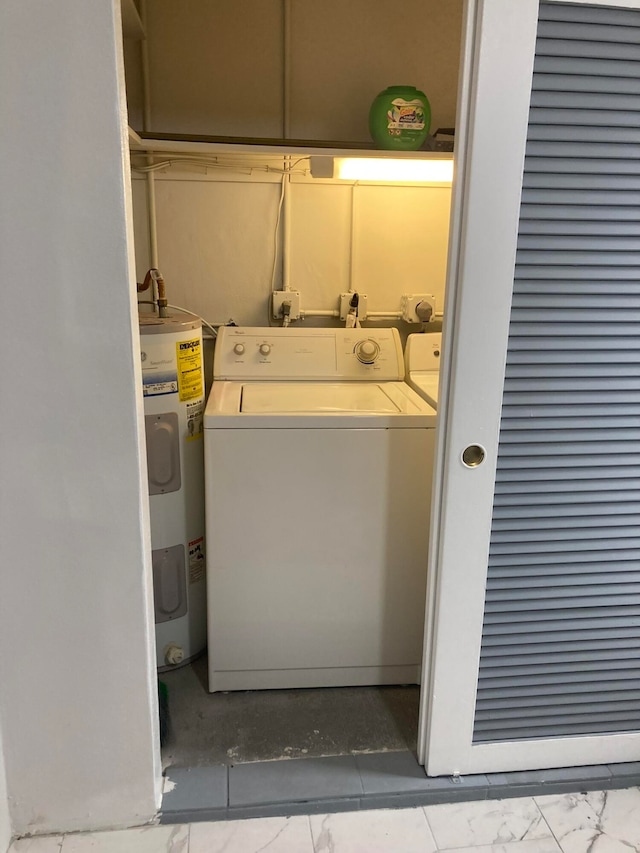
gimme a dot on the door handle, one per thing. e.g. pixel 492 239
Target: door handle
pixel 473 455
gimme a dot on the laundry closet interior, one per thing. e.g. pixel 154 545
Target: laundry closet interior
pixel 238 110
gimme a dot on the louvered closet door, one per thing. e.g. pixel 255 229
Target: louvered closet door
pixel 561 639
pixel 554 636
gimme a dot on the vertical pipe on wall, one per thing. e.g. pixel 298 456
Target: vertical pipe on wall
pixel 286 132
pixel 352 240
pixel 146 126
pixel 153 223
pixel 286 234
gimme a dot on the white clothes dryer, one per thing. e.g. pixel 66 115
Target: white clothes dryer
pixel 422 363
pixel 318 465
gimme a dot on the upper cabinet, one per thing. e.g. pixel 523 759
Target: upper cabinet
pixel 289 69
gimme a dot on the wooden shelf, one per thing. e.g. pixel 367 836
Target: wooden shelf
pixel 245 146
pixel 134 139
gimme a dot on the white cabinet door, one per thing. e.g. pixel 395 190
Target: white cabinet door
pixel 575 251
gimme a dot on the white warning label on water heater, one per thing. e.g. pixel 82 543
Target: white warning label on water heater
pixel 196 560
pixel 159 371
pixel 195 427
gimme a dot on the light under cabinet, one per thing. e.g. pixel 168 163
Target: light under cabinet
pixel 326 161
pixel 424 170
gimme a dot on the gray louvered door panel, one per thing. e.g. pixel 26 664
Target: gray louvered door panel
pixel 561 637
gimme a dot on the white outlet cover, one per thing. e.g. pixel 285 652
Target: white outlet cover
pixel 279 297
pixel 345 299
pixel 409 303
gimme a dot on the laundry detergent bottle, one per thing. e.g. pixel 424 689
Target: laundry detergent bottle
pixel 399 118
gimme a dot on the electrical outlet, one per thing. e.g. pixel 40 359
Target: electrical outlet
pixel 345 299
pixel 279 297
pixel 412 313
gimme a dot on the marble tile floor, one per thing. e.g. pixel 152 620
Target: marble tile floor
pixel 595 822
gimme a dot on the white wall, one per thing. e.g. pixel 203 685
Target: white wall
pixel 78 698
pixel 216 242
pixel 5 820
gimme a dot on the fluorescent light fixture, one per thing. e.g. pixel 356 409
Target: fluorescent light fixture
pixel 432 170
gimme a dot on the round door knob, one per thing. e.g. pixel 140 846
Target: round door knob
pixel 473 455
pixel 367 351
pixel 265 349
pixel 239 349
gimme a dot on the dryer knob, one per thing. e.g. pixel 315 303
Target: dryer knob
pixel 265 349
pixel 367 351
pixel 239 349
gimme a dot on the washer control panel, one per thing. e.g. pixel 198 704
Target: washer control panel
pixel 423 350
pixel 278 353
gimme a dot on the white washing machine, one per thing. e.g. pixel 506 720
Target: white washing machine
pixel 318 465
pixel 422 364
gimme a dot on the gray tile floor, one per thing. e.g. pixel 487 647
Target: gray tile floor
pixel 596 822
pixel 357 782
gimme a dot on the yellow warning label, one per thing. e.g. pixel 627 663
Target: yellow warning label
pixel 189 358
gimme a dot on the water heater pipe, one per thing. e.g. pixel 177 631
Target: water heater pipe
pixel 156 276
pixel 153 222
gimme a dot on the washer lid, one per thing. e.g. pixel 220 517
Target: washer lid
pixel 300 397
pixel 316 405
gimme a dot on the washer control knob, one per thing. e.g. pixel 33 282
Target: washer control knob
pixel 265 349
pixel 239 349
pixel 367 351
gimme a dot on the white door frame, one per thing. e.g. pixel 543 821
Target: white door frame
pixel 492 119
